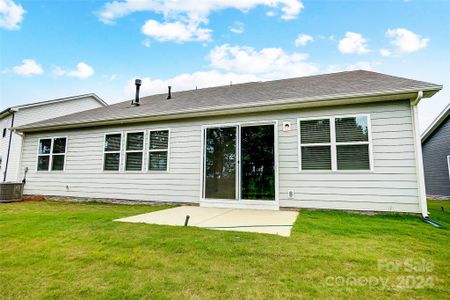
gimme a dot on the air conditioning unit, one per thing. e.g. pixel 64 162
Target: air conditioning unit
pixel 11 191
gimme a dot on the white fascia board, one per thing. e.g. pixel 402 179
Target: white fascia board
pixel 252 107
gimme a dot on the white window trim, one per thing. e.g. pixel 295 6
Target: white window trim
pixel 148 150
pixel 120 152
pixel 50 155
pixel 125 151
pixel 334 144
pixel 243 203
pixel 448 165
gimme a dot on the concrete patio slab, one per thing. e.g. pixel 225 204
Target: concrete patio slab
pixel 260 221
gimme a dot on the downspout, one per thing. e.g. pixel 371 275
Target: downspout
pixel 22 135
pixel 9 147
pixel 419 158
pixel 418 98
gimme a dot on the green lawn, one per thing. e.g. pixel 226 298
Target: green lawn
pixel 70 250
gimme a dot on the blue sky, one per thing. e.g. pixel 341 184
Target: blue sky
pixel 52 49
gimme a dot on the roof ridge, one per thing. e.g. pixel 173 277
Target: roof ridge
pixel 260 81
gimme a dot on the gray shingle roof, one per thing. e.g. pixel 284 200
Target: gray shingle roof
pixel 302 89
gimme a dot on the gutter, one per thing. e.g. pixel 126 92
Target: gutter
pixel 252 107
pixel 418 98
pixel 6 112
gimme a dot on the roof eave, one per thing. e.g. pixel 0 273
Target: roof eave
pixel 8 111
pixel 436 123
pixel 12 109
pixel 71 98
pixel 251 108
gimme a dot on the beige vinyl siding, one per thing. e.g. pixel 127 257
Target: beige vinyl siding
pixel 391 186
pixel 4 123
pixel 36 114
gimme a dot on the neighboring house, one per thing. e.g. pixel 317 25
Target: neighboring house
pixel 436 155
pixel 11 143
pixel 347 140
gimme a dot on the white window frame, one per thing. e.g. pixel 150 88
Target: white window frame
pixel 334 144
pixel 105 152
pixel 448 165
pixel 300 145
pixel 50 155
pixel 242 203
pixel 125 151
pixel 148 150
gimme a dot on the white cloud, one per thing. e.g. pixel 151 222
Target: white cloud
pixel 183 19
pixel 385 52
pixel 82 71
pixel 406 40
pixel 177 31
pixel 268 62
pixel 303 39
pixel 28 67
pixel 359 65
pixel 238 27
pixel 234 64
pixel 194 9
pixel 353 43
pixel 11 14
pixel 291 9
pixel 189 81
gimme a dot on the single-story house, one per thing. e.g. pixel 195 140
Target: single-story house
pixel 20 115
pixel 436 155
pixel 347 140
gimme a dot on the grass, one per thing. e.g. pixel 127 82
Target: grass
pixel 74 250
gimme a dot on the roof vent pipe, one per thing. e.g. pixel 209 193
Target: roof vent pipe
pixel 138 83
pixel 169 93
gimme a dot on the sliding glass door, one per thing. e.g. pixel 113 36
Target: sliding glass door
pixel 239 162
pixel 257 162
pixel 220 163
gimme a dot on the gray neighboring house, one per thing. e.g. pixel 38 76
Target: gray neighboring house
pixel 436 155
pixel 19 115
pixel 346 140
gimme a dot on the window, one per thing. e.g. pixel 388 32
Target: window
pixel 134 151
pixel 315 140
pixel 352 143
pixel 111 155
pixel 52 154
pixel 340 143
pixel 158 149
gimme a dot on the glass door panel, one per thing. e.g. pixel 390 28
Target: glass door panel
pixel 257 162
pixel 220 163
